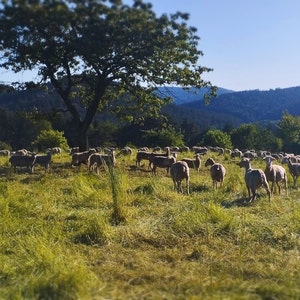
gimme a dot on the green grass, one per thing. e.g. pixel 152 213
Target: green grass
pixel 125 234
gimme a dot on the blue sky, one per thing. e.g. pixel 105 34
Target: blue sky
pixel 250 44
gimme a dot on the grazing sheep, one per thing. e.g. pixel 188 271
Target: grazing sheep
pixel 180 171
pixel 294 168
pixel 44 160
pixel 164 162
pixel 193 163
pixel 23 161
pixel 79 158
pixel 4 152
pixel 125 151
pixel 21 152
pixel 236 153
pixel 146 155
pixel 55 150
pixel 275 173
pixel 96 160
pixel 254 179
pixel 217 172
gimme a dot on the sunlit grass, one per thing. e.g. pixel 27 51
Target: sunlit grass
pixel 126 234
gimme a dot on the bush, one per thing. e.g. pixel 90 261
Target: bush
pixel 49 139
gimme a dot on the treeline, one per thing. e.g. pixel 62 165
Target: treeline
pixel 20 130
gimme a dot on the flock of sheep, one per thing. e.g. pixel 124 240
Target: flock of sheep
pixel 178 170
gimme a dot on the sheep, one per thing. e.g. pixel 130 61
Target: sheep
pixel 96 160
pixel 294 168
pixel 22 152
pixel 254 179
pixel 217 172
pixel 146 155
pixel 74 150
pixel 79 158
pixel 4 153
pixel 125 151
pixel 44 160
pixel 27 161
pixel 162 162
pixel 193 163
pixel 180 171
pixel 275 173
pixel 55 150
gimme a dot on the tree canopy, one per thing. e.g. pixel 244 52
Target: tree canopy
pixel 105 54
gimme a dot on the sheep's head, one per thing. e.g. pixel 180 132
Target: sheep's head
pixel 244 163
pixel 268 160
pixel 209 162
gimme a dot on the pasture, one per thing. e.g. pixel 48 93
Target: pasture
pixel 126 234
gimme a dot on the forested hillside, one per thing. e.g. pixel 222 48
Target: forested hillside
pixel 252 106
pixel 228 107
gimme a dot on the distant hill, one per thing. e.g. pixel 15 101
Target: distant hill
pixel 181 96
pixel 229 107
pixel 253 106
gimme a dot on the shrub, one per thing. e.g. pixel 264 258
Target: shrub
pixel 49 139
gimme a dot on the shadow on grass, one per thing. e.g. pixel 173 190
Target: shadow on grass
pixel 244 202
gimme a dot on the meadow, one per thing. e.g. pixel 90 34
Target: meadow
pixel 126 234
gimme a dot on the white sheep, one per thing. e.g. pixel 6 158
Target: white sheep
pixel 217 172
pixel 254 178
pixel 294 168
pixel 164 162
pixel 96 160
pixel 193 163
pixel 27 161
pixel 44 160
pixel 275 173
pixel 180 171
pixel 79 158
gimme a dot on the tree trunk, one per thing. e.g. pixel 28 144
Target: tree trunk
pixel 77 138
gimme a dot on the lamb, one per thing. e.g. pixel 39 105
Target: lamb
pixel 79 158
pixel 44 160
pixel 294 168
pixel 96 160
pixel 180 171
pixel 162 162
pixel 27 161
pixel 275 173
pixel 217 172
pixel 193 163
pixel 254 179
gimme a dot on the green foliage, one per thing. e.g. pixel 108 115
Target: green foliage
pixel 289 130
pixel 99 44
pixel 4 146
pixel 215 137
pixel 163 137
pixel 49 139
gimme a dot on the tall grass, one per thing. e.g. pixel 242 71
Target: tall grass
pixel 71 234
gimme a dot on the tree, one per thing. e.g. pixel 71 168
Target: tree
pixel 289 131
pixel 245 136
pixel 105 54
pixel 215 137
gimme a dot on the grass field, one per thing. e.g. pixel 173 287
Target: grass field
pixel 126 234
